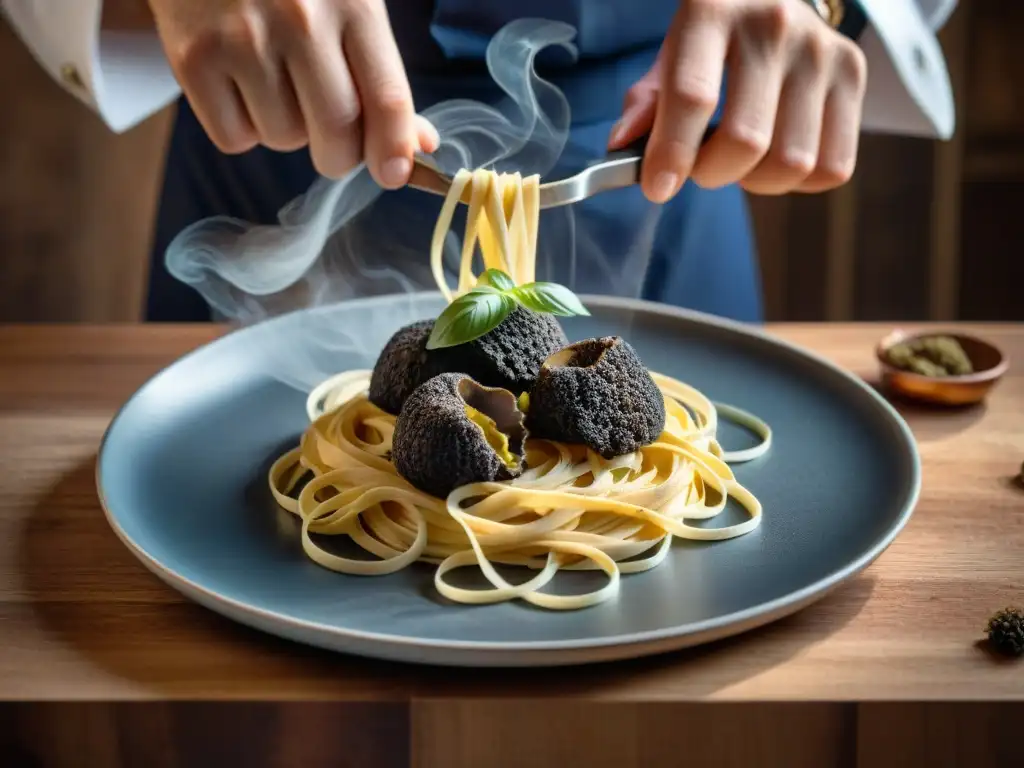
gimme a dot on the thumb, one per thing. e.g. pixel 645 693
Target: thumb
pixel 637 115
pixel 638 108
pixel 427 135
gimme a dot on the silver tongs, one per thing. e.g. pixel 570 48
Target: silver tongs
pixel 617 170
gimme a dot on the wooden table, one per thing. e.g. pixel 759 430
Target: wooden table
pixel 81 620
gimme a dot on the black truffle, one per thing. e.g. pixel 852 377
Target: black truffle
pixel 1006 632
pixel 402 366
pixel 508 357
pixel 452 431
pixel 599 394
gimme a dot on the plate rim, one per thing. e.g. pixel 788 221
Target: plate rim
pixel 631 644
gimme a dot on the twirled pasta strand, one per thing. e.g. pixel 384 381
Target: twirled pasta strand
pixel 572 509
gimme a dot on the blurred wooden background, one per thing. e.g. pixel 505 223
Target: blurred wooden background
pixel 494 733
pixel 925 230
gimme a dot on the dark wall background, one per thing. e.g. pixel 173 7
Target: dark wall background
pixel 925 230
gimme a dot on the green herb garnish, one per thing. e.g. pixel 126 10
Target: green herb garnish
pixel 552 298
pixel 470 316
pixel 484 308
pixel 496 279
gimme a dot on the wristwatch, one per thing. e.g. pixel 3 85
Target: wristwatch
pixel 844 16
pixel 830 10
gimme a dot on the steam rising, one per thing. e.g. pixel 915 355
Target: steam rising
pixel 345 239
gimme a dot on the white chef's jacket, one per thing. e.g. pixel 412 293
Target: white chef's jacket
pixel 125 77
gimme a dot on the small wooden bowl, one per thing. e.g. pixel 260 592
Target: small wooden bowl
pixel 988 361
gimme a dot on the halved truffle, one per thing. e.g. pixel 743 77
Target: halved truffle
pixel 402 366
pixel 452 431
pixel 509 357
pixel 597 393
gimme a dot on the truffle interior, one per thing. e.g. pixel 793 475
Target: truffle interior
pixel 582 354
pixel 500 406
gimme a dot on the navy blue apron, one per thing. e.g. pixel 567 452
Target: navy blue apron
pixel 696 252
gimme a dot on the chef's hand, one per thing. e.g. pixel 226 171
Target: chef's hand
pixel 287 73
pixel 792 112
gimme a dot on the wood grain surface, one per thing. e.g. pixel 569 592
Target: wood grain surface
pixel 82 619
pixel 82 622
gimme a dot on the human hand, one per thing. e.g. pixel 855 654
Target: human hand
pixel 286 73
pixel 791 120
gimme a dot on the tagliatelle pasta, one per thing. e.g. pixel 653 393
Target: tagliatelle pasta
pixel 570 509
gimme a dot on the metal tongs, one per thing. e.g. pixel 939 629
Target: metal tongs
pixel 617 170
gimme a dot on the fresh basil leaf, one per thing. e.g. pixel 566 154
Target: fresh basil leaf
pixel 496 278
pixel 469 317
pixel 551 298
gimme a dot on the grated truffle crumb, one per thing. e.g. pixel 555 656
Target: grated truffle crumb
pixel 934 356
pixel 1006 632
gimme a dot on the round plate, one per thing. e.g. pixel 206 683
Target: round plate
pixel 182 479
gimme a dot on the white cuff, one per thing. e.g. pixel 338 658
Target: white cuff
pixel 123 76
pixel 131 78
pixel 908 84
pixel 937 11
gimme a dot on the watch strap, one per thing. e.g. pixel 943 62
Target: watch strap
pixel 854 20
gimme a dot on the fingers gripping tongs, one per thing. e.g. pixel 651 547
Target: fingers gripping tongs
pixel 616 170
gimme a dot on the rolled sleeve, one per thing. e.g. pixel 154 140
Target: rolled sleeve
pixel 123 76
pixel 909 90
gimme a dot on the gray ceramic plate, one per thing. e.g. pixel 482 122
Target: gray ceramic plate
pixel 181 475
